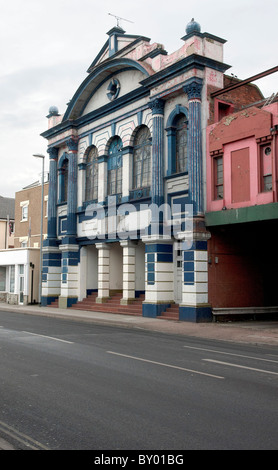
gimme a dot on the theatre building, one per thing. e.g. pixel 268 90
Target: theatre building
pixel 132 139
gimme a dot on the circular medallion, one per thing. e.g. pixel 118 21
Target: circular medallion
pixel 113 89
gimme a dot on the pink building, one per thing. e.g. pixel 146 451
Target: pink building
pixel 242 209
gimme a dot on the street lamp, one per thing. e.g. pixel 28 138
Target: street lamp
pixel 39 155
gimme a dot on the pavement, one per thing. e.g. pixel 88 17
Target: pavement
pixel 249 332
pixel 261 332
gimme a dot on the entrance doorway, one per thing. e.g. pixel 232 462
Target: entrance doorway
pixel 21 284
pixel 177 273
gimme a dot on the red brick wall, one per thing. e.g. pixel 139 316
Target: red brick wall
pixel 239 98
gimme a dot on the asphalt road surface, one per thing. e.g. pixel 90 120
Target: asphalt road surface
pixel 77 386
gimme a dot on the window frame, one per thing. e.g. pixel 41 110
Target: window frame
pixel 115 167
pixel 141 149
pixel 216 185
pixel 262 175
pixel 91 166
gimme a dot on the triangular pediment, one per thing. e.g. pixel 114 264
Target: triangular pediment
pixel 117 45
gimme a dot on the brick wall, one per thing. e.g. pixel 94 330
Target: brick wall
pixel 33 196
pixel 238 98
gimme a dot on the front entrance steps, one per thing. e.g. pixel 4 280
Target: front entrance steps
pixel 171 313
pixel 111 305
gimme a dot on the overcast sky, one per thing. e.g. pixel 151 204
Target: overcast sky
pixel 46 47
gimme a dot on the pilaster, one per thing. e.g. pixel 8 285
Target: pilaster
pixel 52 194
pixel 69 275
pixel 72 188
pixel 193 89
pixel 157 107
pixel 195 306
pixel 51 274
pixel 159 281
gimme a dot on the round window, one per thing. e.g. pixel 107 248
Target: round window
pixel 267 151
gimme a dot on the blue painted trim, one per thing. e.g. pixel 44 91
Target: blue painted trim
pixel 48 300
pixel 153 310
pixel 164 258
pixel 71 301
pixel 158 248
pixel 195 314
pixel 88 85
pixel 105 46
pixel 179 109
pixel 90 291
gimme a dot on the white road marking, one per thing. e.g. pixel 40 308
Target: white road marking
pixel 231 354
pixel 165 365
pixel 241 367
pixel 20 437
pixel 49 337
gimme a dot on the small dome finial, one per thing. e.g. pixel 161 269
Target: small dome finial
pixel 53 111
pixel 193 27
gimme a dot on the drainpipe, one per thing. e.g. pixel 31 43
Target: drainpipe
pixel 274 131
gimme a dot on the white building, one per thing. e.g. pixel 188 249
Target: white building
pixel 132 139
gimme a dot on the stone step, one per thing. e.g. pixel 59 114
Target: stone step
pixel 171 313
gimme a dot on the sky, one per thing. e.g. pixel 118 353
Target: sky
pixel 46 47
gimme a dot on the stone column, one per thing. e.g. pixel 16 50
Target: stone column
pixel 157 107
pixel 52 194
pixel 103 272
pixel 69 248
pixel 70 272
pixel 159 286
pixel 72 190
pixel 128 271
pixel 194 306
pixel 51 270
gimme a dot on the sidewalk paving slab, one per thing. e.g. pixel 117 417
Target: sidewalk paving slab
pixel 252 332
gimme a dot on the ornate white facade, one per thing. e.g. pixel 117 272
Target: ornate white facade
pixel 132 140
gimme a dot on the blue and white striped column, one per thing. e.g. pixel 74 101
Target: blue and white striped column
pixel 194 306
pixel 159 280
pixel 193 88
pixel 51 270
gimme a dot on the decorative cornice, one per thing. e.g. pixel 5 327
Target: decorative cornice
pixel 157 106
pixel 181 66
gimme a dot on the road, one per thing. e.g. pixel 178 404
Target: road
pixel 69 385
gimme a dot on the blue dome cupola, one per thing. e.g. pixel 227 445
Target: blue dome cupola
pixel 193 27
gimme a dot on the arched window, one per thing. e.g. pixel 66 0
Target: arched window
pixel 181 143
pixel 91 189
pixel 115 167
pixel 142 159
pixel 177 134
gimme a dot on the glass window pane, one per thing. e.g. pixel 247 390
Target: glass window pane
pixel 12 278
pixel 2 278
pixel 115 167
pixel 181 144
pixel 142 159
pixel 91 192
